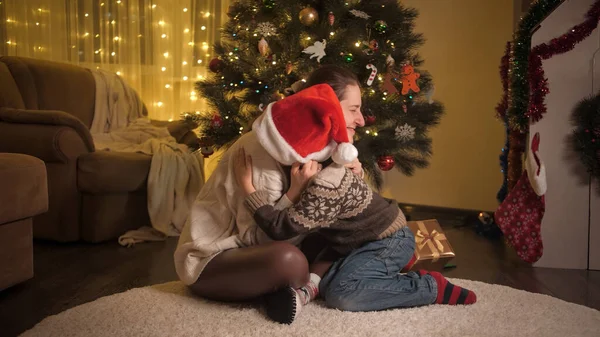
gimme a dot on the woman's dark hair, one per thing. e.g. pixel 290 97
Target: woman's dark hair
pixel 337 77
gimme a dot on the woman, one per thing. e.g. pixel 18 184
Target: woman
pixel 222 254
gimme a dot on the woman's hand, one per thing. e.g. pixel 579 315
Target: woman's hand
pixel 242 167
pixel 356 168
pixel 300 176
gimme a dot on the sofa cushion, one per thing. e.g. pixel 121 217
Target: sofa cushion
pixel 24 191
pixel 104 172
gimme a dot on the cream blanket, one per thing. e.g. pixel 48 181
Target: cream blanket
pixel 176 174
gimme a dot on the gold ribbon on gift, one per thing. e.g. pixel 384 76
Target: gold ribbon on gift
pixel 432 240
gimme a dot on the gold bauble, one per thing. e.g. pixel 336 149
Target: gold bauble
pixel 308 16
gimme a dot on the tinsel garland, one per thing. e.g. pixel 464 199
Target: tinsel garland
pixel 538 83
pixel 517 111
pixel 586 135
pixel 501 114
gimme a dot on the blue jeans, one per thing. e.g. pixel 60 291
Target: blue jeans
pixel 369 278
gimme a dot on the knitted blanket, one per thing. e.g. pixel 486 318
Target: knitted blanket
pixel 176 174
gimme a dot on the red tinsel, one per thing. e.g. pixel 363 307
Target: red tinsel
pixel 503 105
pixel 538 83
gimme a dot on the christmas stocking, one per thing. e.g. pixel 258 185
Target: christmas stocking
pixel 520 215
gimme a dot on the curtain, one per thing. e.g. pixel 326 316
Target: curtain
pixel 160 47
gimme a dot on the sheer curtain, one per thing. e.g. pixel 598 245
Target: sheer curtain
pixel 160 47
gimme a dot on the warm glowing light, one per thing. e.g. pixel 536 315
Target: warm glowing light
pixel 161 22
pixel 153 6
pixel 187 30
pixel 116 38
pixel 166 54
pixel 163 68
pixel 203 27
pixel 86 15
pixel 167 86
pixel 184 63
pixel 185 78
pixel 185 9
pixel 113 22
pixel 163 36
pixel 119 73
pixel 113 53
pixel 199 61
pixel 159 104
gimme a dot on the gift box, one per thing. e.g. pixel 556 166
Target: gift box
pixel 432 250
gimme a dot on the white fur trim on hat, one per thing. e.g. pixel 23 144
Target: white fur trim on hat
pixel 272 141
pixel 344 153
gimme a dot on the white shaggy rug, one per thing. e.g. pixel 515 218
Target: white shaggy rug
pixel 170 310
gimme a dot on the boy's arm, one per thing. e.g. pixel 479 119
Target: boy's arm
pixel 311 212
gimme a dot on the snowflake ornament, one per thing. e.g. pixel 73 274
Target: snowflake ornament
pixel 405 132
pixel 360 14
pixel 266 29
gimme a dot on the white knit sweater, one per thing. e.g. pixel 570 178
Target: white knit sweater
pixel 219 220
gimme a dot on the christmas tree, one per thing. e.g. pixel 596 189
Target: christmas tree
pixel 270 46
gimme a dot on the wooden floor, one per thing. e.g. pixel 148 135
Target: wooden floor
pixel 67 275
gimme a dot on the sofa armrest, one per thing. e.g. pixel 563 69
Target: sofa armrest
pixel 177 129
pixel 52 136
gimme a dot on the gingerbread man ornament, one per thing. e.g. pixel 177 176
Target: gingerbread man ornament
pixel 409 79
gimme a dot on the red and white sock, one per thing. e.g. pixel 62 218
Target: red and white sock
pixel 309 291
pixel 449 293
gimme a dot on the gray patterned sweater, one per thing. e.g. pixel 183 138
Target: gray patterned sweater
pixel 338 204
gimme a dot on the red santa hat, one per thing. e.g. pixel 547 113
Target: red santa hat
pixel 308 125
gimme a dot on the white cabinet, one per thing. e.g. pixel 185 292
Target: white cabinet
pixel 572 203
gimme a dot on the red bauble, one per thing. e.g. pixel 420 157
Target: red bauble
pixel 370 120
pixel 215 65
pixel 331 18
pixel 217 121
pixel 385 163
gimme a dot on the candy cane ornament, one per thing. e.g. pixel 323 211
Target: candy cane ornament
pixel 373 73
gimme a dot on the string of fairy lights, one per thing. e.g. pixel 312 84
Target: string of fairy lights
pixel 177 62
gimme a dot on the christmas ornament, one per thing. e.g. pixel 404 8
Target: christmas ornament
pixel 215 65
pixel 269 4
pixel 360 14
pixel 381 26
pixel 206 151
pixel 370 120
pixel 289 67
pixel 409 79
pixel 347 57
pixel 317 50
pixel 266 29
pixel 330 18
pixel 216 121
pixel 373 73
pixel 404 108
pixel 263 47
pixel 308 16
pixel 520 214
pixel 390 62
pixel 405 132
pixel 388 81
pixel 371 47
pixel 385 163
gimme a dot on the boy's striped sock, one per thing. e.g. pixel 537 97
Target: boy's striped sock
pixel 449 293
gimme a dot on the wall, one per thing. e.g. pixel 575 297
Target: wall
pixel 465 40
